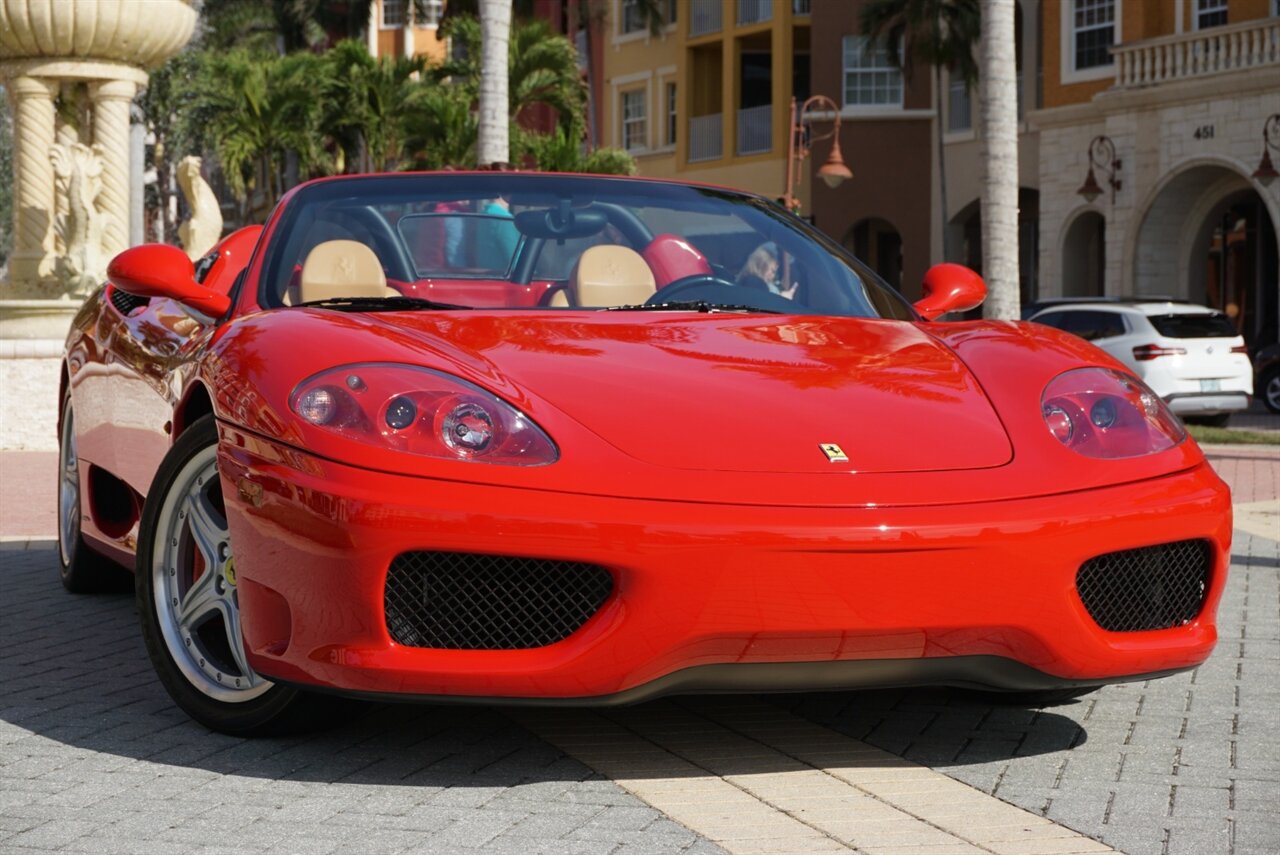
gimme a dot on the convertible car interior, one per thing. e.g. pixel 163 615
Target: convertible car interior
pixel 571 253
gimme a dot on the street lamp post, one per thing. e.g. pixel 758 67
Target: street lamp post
pixel 834 171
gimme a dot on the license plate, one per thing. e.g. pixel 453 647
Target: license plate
pixel 1210 385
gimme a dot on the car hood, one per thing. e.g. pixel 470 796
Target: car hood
pixel 731 392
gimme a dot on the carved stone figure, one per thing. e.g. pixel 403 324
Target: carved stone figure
pixel 77 170
pixel 201 232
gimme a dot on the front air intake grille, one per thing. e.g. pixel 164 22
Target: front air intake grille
pixel 1155 587
pixel 126 302
pixel 462 601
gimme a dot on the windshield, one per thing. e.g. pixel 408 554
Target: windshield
pixel 546 241
pixel 1194 326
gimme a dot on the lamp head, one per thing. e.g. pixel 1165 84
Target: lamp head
pixel 1266 171
pixel 1090 189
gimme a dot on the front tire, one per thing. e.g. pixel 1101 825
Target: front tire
pixel 188 602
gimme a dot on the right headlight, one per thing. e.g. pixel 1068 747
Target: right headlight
pixel 1099 412
pixel 420 411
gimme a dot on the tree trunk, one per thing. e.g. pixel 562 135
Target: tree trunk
pixel 998 89
pixel 942 163
pixel 493 147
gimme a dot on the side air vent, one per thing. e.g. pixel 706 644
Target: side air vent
pixel 126 302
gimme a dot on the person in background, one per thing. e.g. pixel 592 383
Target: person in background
pixel 760 271
pixel 500 237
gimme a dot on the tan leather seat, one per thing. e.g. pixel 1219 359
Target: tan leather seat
pixel 608 275
pixel 342 268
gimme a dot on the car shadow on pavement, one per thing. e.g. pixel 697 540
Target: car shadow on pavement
pixel 76 675
pixel 941 726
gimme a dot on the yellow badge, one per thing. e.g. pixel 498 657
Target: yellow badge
pixel 834 453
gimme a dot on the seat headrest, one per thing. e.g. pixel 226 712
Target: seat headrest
pixel 341 268
pixel 612 275
pixel 672 257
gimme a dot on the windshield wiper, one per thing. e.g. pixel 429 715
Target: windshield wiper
pixel 377 304
pixel 695 306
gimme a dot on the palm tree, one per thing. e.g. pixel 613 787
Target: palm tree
pixel 282 26
pixel 999 111
pixel 941 33
pixel 440 128
pixel 252 111
pixel 493 145
pixel 368 103
pixel 542 70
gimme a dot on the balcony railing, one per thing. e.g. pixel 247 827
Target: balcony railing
pixel 754 11
pixel 704 17
pixel 1221 49
pixel 755 129
pixel 706 137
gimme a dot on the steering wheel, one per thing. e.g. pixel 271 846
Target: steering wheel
pixel 684 288
pixel 713 289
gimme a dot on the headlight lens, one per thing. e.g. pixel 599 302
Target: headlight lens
pixel 1100 412
pixel 420 411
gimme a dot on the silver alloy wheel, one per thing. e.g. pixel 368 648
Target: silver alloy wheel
pixel 1272 391
pixel 194 584
pixel 68 490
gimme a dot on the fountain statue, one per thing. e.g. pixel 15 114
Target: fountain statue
pixel 201 232
pixel 72 184
pixel 82 265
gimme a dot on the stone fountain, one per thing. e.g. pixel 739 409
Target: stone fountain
pixel 70 69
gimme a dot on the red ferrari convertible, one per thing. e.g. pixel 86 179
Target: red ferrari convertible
pixel 571 439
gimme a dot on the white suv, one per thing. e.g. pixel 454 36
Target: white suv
pixel 1190 355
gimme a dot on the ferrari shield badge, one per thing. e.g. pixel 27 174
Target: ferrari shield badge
pixel 834 453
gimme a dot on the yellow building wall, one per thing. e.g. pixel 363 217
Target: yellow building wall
pixel 1056 93
pixel 648 62
pixel 1139 19
pixel 1238 11
pixel 706 75
pixel 427 43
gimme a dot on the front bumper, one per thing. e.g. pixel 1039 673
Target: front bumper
pixel 707 597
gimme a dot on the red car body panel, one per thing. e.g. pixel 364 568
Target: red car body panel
pixel 689 467
pixel 719 584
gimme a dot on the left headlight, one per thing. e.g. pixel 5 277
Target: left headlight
pixel 420 411
pixel 1100 412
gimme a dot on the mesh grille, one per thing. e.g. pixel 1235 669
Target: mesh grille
pixel 462 601
pixel 126 302
pixel 1155 587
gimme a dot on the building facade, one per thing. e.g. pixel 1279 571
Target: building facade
pixel 1181 89
pixel 402 28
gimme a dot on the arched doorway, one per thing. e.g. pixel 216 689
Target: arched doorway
pixel 1208 236
pixel 878 243
pixel 966 241
pixel 1237 243
pixel 1084 256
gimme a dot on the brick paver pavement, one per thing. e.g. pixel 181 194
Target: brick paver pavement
pixel 95 758
pixel 1185 764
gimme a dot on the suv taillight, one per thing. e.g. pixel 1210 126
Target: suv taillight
pixel 1240 348
pixel 1144 352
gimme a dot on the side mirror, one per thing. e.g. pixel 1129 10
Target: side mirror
pixel 160 270
pixel 950 288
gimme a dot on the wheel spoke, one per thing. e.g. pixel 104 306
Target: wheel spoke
pixel 231 619
pixel 202 600
pixel 208 531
